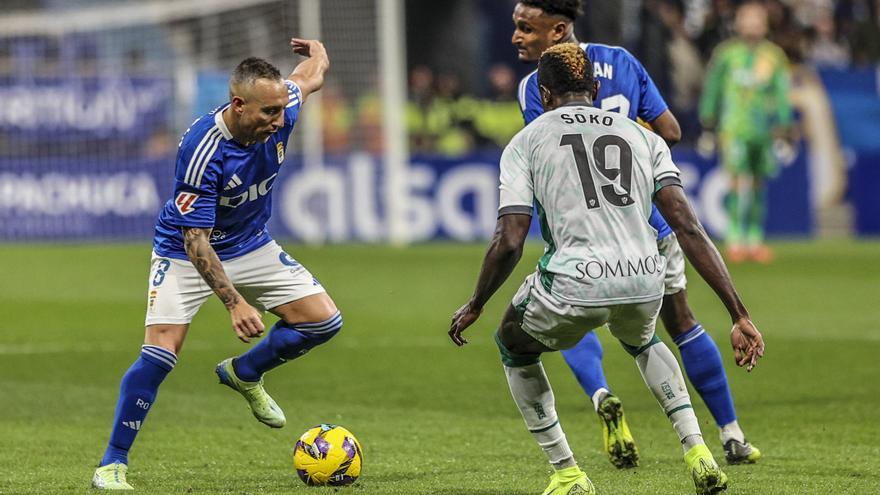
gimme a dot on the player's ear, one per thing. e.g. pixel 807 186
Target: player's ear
pixel 546 97
pixel 237 104
pixel 560 31
pixel 594 93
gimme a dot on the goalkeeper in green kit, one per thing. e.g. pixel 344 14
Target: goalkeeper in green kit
pixel 745 100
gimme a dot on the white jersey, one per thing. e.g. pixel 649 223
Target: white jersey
pixel 591 175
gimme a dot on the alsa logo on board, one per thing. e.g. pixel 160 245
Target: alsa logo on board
pixel 185 201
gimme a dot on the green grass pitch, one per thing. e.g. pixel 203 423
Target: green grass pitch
pixel 433 418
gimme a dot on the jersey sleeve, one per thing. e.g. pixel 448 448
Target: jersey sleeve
pixel 651 104
pixel 294 102
pixel 664 170
pixel 530 98
pixel 197 177
pixel 517 187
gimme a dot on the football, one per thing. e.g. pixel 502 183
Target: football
pixel 328 455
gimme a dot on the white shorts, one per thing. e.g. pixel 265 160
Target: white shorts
pixel 559 325
pixel 674 281
pixel 266 278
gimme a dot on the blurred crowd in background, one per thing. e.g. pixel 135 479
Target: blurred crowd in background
pixel 98 91
pixel 462 70
pixel 673 39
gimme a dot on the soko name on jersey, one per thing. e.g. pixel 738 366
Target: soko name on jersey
pixel 253 193
pixel 606 120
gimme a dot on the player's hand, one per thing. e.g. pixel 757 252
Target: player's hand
pixel 706 144
pixel 748 345
pixel 246 321
pixel 463 318
pixel 784 151
pixel 306 48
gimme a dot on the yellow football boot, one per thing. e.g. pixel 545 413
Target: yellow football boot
pixel 708 477
pixel 569 481
pixel 111 477
pixel 262 405
pixel 619 443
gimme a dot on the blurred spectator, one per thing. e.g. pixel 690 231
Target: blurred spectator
pixel 421 97
pixel 653 43
pixel 718 26
pixel 685 67
pixel 454 113
pixel 336 118
pixel 859 22
pixel 785 31
pixel 498 119
pixel 826 48
pixel 502 81
pixel 368 127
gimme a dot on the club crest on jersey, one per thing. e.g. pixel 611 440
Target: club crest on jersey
pixel 185 201
pixel 280 148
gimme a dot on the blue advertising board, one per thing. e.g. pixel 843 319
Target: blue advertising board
pixel 454 199
pixel 864 184
pixel 83 110
pixel 81 199
pixel 855 97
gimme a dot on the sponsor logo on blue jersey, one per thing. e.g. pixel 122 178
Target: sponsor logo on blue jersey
pixel 223 185
pixel 254 192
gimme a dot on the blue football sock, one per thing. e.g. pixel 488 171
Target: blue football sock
pixel 585 361
pixel 705 370
pixel 137 392
pixel 284 343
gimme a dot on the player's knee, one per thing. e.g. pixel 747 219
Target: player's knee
pixel 167 336
pixel 676 313
pixel 637 345
pixel 294 340
pixel 511 357
pixel 321 331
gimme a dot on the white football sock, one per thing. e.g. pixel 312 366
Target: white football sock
pixel 663 376
pixel 532 393
pixel 732 431
pixel 598 396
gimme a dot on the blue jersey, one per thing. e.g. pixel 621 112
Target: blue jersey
pixel 223 185
pixel 624 87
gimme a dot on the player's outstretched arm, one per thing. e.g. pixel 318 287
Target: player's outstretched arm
pixel 748 345
pixel 246 320
pixel 501 258
pixel 309 74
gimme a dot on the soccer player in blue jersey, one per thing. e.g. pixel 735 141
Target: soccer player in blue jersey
pixel 625 87
pixel 211 237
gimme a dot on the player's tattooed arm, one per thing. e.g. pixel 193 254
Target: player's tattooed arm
pixel 206 261
pixel 501 258
pixel 246 320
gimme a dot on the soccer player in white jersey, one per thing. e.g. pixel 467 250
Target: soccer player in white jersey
pixel 211 237
pixel 625 87
pixel 592 175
